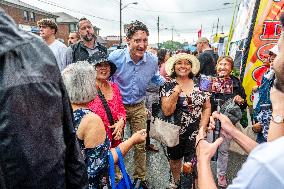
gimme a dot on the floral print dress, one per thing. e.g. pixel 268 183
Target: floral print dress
pixel 191 109
pixel 96 158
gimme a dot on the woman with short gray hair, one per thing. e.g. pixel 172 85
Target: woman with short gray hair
pixel 80 82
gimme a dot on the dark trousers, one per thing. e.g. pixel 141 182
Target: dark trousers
pixel 148 130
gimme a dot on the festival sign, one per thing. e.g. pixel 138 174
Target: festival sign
pixel 266 32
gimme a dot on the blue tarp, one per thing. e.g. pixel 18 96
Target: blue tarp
pixel 190 47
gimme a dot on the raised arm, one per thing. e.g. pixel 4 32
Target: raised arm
pixel 276 130
pixel 169 102
pixel 206 112
pixel 125 146
pixel 158 79
pixel 229 130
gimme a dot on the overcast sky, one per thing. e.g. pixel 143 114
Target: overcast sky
pixel 184 16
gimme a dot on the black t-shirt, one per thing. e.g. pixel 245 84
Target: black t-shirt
pixel 208 62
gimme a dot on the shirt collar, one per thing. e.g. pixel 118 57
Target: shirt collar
pixel 129 59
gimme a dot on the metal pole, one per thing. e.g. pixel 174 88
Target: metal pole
pixel 120 10
pixel 217 26
pixel 158 25
pixel 173 37
pixel 213 29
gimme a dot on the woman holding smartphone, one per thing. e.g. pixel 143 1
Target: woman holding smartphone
pixel 182 94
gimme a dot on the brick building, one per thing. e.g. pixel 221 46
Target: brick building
pixel 113 40
pixel 66 24
pixel 25 15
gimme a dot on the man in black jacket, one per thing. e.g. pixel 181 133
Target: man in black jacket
pixel 88 46
pixel 206 57
pixel 38 146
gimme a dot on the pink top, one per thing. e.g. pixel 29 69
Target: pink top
pixel 116 107
pixel 163 71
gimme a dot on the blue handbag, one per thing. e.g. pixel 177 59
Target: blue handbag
pixel 125 182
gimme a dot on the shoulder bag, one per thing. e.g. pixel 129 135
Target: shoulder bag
pixel 125 182
pixel 165 129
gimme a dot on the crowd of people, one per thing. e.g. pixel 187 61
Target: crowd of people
pixel 64 110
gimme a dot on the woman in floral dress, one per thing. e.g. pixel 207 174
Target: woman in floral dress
pixel 182 94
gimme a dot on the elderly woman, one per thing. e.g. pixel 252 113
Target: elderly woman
pixel 108 104
pixel 224 67
pixel 182 93
pixel 90 130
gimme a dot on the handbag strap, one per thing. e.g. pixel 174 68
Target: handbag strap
pixel 121 167
pixel 107 109
pixel 111 170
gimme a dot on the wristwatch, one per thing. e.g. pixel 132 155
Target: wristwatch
pixel 278 119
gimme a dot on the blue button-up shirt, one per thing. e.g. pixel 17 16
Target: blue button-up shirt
pixel 133 78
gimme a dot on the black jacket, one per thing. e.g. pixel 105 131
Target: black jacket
pixel 38 146
pixel 80 53
pixel 208 62
pixel 238 89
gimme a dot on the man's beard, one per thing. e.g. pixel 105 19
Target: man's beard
pixel 89 39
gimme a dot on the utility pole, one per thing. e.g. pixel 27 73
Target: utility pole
pixel 217 26
pixel 120 19
pixel 222 29
pixel 158 25
pixel 172 37
pixel 213 29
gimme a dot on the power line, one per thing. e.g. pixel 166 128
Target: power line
pixel 146 3
pixel 181 12
pixel 76 11
pixel 137 16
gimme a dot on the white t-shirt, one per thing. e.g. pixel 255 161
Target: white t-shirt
pixel 264 168
pixel 59 50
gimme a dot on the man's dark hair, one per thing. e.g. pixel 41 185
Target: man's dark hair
pixel 134 27
pixel 81 19
pixel 48 23
pixel 161 55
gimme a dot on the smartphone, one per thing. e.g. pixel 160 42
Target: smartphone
pixel 216 84
pixel 222 85
pixel 205 83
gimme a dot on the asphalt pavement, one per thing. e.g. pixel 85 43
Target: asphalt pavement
pixel 158 171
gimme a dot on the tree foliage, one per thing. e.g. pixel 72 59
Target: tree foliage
pixel 171 45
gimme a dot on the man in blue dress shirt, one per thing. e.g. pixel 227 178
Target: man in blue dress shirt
pixel 135 69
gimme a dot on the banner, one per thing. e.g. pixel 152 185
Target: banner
pixel 266 32
pixel 243 20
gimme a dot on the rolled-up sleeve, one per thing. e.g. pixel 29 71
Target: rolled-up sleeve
pixel 158 79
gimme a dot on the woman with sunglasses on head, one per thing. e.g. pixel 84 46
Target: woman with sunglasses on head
pixel 182 94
